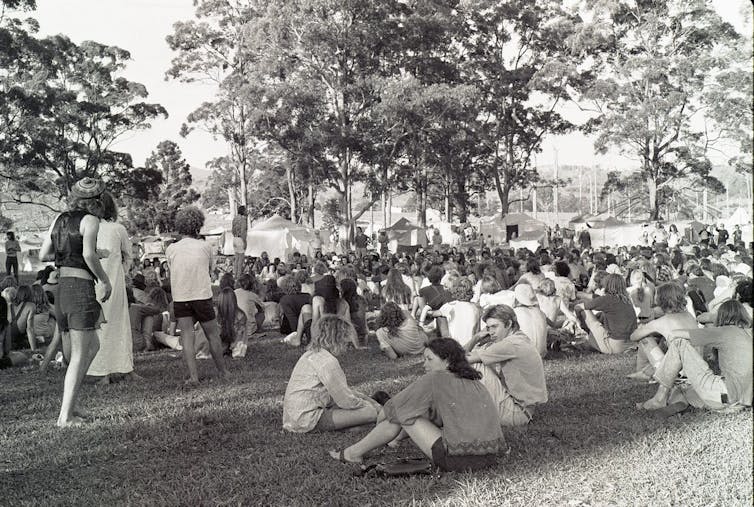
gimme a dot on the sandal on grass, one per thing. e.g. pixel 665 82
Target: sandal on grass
pixel 340 456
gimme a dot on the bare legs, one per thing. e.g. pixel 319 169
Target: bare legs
pixel 422 432
pixel 294 339
pixel 84 345
pixel 186 325
pixel 342 419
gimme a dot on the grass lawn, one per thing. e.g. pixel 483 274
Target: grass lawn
pixel 156 442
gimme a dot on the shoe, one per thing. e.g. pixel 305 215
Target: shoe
pixel 203 355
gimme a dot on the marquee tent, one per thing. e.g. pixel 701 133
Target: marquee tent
pixel 529 232
pixel 403 235
pixel 279 238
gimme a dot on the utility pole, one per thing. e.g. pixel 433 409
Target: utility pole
pixel 555 190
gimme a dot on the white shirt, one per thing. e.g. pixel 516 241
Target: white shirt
pixel 463 320
pixel 190 260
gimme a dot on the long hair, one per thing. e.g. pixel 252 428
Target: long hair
pixel 249 282
pixel 490 285
pixel 327 288
pixel 93 206
pixel 637 280
pixel 450 350
pixel 732 313
pixel 462 289
pixel 391 317
pixel 671 298
pixel 39 298
pixel 227 306
pixel 159 298
pixel 227 281
pixel 23 295
pixel 333 334
pixel 395 289
pixel 615 285
pixel 348 292
pixel 109 208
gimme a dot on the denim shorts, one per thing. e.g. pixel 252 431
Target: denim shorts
pixel 76 306
pixel 201 310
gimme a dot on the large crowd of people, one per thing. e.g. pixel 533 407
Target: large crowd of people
pixel 484 320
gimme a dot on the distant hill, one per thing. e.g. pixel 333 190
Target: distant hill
pixel 199 177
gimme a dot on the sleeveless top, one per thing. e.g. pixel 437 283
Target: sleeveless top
pixel 68 241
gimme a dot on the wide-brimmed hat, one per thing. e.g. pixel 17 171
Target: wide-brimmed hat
pixel 525 294
pixel 87 188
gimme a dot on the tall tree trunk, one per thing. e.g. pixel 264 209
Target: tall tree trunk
pixel 447 202
pixel 311 203
pixel 654 207
pixel 503 191
pixel 291 192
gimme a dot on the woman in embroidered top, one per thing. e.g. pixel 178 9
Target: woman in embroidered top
pixel 447 413
pixel 318 396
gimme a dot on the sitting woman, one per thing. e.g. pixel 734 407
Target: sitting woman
pixel 292 303
pixel 671 298
pixel 357 307
pixel 247 297
pixel 326 300
pixel 641 295
pixel 434 412
pixel 398 332
pixel 21 309
pixel 318 396
pixel 40 324
pixel 732 338
pixel 231 319
pixel 395 290
pixel 609 332
pixel 491 293
pixel 146 318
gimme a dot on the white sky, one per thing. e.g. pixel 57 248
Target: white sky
pixel 140 27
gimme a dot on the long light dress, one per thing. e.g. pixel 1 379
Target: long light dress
pixel 116 343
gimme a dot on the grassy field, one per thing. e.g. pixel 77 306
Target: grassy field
pixel 156 442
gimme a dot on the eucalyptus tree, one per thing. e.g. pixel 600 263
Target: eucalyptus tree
pixel 654 74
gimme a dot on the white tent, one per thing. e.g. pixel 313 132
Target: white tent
pixel 279 238
pixel 740 217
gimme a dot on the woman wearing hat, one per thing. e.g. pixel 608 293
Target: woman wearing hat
pixel 72 243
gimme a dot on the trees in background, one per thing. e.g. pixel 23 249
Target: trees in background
pixel 62 108
pixel 659 62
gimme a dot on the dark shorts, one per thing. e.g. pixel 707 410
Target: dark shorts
pixel 200 310
pixel 326 422
pixel 76 306
pixel 459 463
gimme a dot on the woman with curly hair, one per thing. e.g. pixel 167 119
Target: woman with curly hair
pixel 190 261
pixel 398 332
pixel 609 332
pixel 318 396
pixel 434 412
pixel 671 299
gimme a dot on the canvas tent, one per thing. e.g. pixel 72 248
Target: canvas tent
pixel 279 238
pixel 599 221
pixel 405 236
pixel 529 232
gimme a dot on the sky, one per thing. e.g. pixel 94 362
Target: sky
pixel 140 27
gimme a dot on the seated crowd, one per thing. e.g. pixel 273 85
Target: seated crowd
pixel 483 321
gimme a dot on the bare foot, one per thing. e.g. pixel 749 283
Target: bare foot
pixel 74 421
pixel 104 381
pixel 639 375
pixel 651 404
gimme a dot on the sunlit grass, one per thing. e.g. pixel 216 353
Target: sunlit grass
pixel 155 442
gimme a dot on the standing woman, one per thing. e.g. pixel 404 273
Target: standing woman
pixel 72 242
pixel 11 254
pixel 115 354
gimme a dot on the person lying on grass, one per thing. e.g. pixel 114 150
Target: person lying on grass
pixel 318 396
pixel 671 299
pixel 510 366
pixel 447 413
pixel 732 338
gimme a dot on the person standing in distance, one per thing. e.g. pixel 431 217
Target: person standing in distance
pixel 239 228
pixel 72 243
pixel 11 254
pixel 190 261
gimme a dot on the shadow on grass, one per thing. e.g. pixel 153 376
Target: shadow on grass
pixel 155 442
